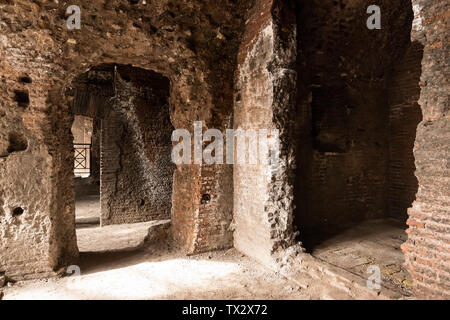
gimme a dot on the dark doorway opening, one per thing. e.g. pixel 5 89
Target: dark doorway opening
pixel 357 96
pixel 122 144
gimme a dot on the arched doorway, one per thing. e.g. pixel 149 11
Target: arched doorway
pixel 133 184
pixel 359 112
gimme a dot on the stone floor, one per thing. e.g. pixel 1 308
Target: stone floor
pixel 163 273
pixel 129 262
pixel 371 243
pixel 87 209
pixel 123 237
pixel 135 261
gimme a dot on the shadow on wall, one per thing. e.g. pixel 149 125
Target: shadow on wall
pixel 358 118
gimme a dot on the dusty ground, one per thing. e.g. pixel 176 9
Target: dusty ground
pixel 113 238
pixel 87 209
pixel 128 262
pixel 156 272
pixel 113 265
pixel 163 275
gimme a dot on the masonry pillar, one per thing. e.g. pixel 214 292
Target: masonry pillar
pixel 427 250
pixel 265 99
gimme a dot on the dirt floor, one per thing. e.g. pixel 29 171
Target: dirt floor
pixel 135 262
pixel 113 238
pixel 87 203
pixel 114 265
pixel 87 209
pixel 163 275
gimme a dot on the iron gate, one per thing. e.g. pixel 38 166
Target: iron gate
pixel 82 165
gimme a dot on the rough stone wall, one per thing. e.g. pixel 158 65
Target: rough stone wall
pixel 136 169
pixel 36 175
pixel 366 70
pixel 427 250
pixel 193 43
pixel 404 116
pixel 364 77
pixel 263 195
pixel 254 96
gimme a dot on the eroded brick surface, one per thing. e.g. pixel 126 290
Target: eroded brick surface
pixel 427 249
pixel 345 100
pixel 195 54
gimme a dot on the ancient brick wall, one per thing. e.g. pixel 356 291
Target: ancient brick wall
pixel 40 58
pixel 253 97
pixel 265 87
pixel 37 217
pixel 427 250
pixel 197 55
pixel 136 169
pixel 209 199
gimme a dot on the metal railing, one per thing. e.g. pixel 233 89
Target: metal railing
pixel 82 165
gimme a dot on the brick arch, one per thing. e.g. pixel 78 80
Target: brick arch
pixel 187 186
pixel 156 37
pixel 47 125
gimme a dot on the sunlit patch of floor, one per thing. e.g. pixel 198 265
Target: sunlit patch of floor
pixel 121 237
pixel 163 275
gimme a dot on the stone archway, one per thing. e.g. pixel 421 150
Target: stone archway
pixel 267 76
pixel 146 37
pixel 187 229
pixel 136 170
